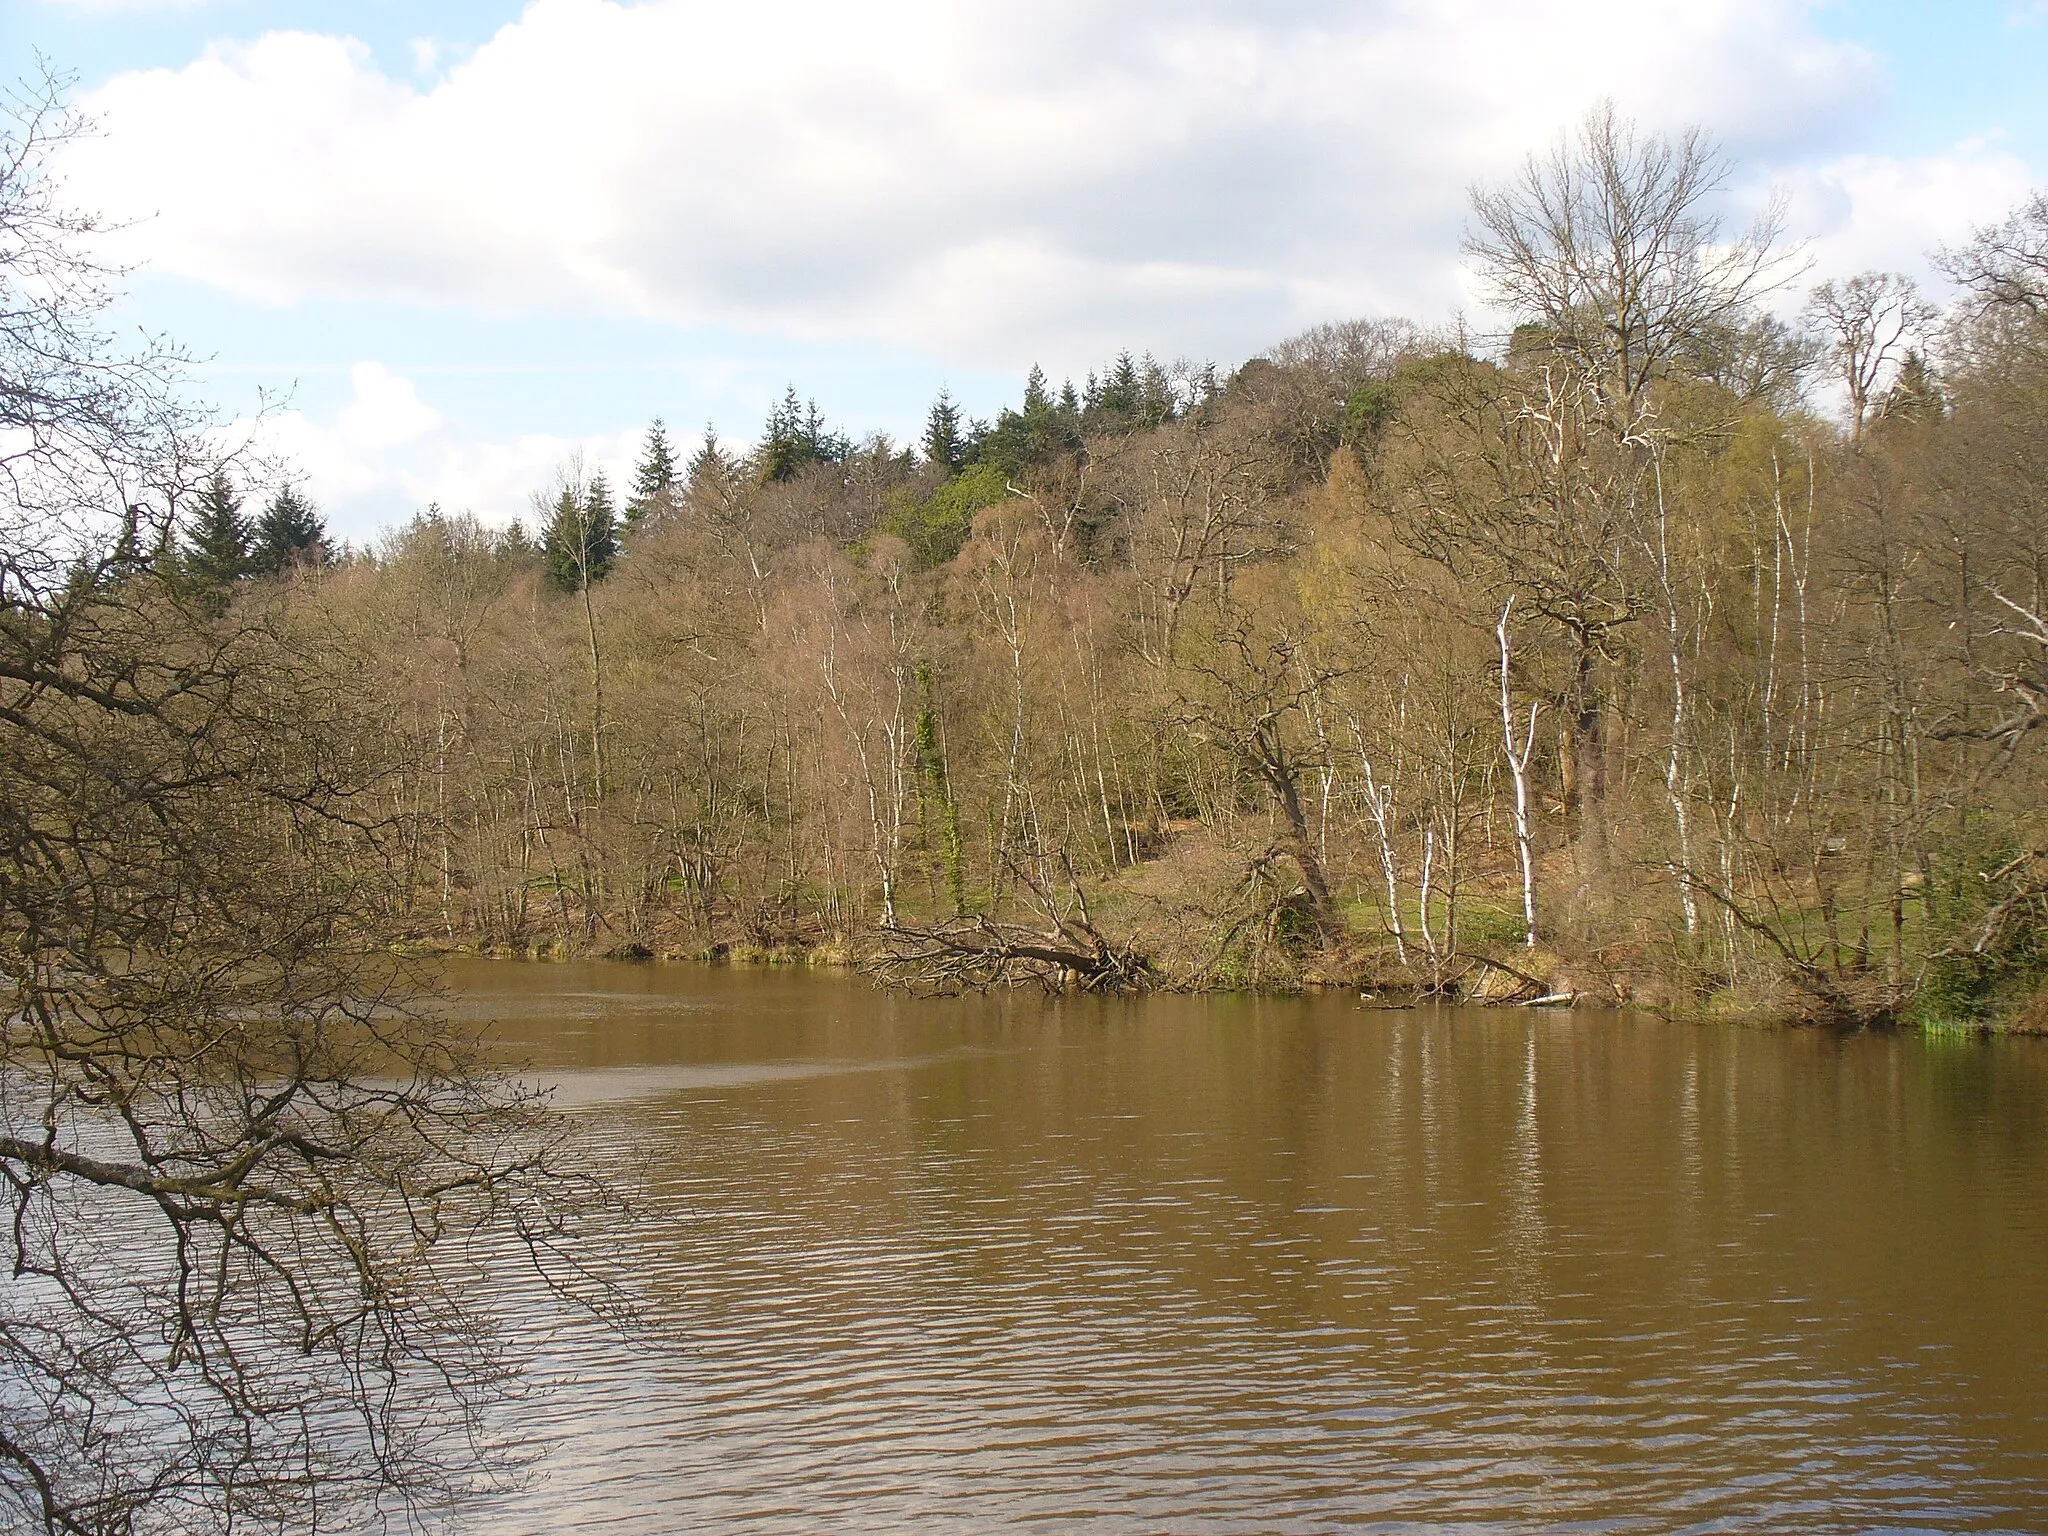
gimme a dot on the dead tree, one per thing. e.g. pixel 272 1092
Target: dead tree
pixel 976 953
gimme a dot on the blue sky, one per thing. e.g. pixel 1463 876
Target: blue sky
pixel 464 240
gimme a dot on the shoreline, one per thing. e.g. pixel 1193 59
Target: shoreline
pixel 841 959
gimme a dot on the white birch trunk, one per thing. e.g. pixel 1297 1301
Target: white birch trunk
pixel 1518 766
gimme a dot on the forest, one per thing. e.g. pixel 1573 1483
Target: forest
pixel 1667 651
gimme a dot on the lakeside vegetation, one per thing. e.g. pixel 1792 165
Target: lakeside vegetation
pixel 1667 653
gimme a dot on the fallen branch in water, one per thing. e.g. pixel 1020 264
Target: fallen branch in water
pixel 1526 990
pixel 974 953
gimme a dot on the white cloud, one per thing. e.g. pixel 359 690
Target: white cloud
pixel 984 180
pixel 386 452
pixel 1873 212
pixel 387 410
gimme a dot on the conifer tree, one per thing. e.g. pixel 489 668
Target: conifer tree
pixel 782 452
pixel 712 478
pixel 1036 401
pixel 654 477
pixel 1121 390
pixel 1156 403
pixel 582 538
pixel 515 543
pixel 289 532
pixel 597 504
pixel 216 552
pixel 797 437
pixel 1916 393
pixel 710 462
pixel 943 444
pixel 825 447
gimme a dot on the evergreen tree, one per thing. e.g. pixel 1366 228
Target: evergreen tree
pixel 1024 436
pixel 1156 400
pixel 289 532
pixel 825 447
pixel 1135 393
pixel 1121 391
pixel 797 437
pixel 943 444
pixel 582 537
pixel 127 560
pixel 515 544
pixel 1036 401
pixel 711 479
pixel 654 478
pixel 1916 394
pixel 710 464
pixel 597 504
pixel 782 450
pixel 216 552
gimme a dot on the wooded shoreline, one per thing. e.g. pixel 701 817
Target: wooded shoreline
pixel 1603 660
pixel 1517 991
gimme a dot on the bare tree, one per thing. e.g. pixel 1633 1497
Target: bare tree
pixel 1871 321
pixel 1610 243
pixel 246 1181
pixel 2006 264
pixel 1252 694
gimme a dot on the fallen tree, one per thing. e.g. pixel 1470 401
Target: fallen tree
pixel 974 952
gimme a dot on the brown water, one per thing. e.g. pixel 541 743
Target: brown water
pixel 1235 1265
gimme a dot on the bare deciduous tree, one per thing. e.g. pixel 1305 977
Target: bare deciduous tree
pixel 246 1181
pixel 2006 265
pixel 1610 242
pixel 1871 321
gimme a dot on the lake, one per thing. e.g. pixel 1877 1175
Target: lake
pixel 1231 1264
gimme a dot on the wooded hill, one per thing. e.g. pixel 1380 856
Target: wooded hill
pixel 1665 652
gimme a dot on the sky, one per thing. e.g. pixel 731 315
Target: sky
pixel 444 245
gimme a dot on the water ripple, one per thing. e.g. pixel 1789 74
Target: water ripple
pixel 1209 1267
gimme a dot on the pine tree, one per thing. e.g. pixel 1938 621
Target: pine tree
pixel 582 538
pixel 1036 401
pixel 563 545
pixel 1916 394
pixel 601 529
pixel 654 478
pixel 597 506
pixel 943 446
pixel 712 479
pixel 514 544
pixel 1120 391
pixel 1156 402
pixel 797 438
pixel 288 533
pixel 1042 428
pixel 782 449
pixel 216 552
pixel 710 464
pixel 825 447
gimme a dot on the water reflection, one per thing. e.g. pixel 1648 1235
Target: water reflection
pixel 1252 1265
